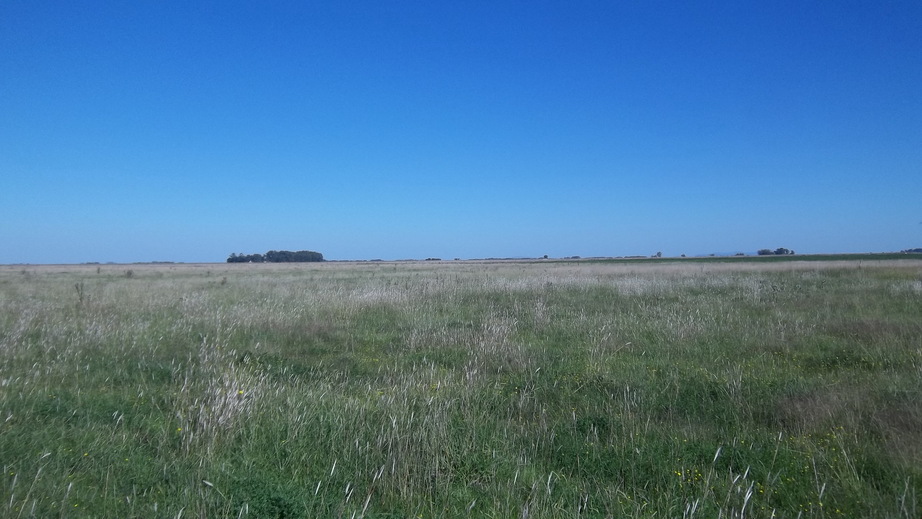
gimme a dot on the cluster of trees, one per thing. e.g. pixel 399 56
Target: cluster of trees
pixel 277 256
pixel 780 252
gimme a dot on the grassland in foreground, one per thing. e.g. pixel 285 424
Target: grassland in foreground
pixel 455 389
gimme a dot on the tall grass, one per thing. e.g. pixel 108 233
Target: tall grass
pixel 459 389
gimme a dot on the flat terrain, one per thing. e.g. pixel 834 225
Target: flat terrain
pixel 446 389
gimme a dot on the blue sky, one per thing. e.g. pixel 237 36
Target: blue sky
pixel 185 131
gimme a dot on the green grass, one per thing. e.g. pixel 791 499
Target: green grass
pixel 543 389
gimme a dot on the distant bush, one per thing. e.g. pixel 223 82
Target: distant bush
pixel 277 256
pixel 778 252
pixel 246 258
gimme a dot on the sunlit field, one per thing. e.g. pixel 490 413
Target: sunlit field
pixel 446 389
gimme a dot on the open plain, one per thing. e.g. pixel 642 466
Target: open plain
pixel 443 389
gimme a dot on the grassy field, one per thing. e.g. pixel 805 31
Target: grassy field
pixel 447 389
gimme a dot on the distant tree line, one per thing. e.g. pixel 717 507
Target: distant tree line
pixel 779 252
pixel 277 256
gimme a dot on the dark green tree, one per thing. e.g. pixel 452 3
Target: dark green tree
pixel 276 256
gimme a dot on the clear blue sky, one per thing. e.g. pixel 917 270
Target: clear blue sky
pixel 184 131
